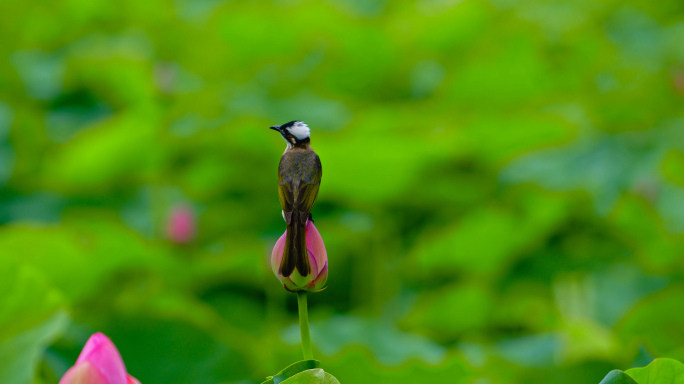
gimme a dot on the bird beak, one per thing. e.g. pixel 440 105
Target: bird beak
pixel 275 128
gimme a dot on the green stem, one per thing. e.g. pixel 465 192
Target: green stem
pixel 304 325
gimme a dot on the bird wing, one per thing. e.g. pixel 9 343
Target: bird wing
pixel 308 188
pixel 299 178
pixel 286 195
pixel 298 182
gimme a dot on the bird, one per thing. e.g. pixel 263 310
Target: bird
pixel 299 178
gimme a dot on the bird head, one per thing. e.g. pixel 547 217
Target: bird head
pixel 294 132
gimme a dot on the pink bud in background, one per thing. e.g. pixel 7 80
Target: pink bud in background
pixel 678 81
pixel 181 227
pixel 318 259
pixel 98 363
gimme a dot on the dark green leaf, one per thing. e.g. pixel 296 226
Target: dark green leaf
pixel 312 376
pixel 617 377
pixel 292 370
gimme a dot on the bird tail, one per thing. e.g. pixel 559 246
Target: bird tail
pixel 296 254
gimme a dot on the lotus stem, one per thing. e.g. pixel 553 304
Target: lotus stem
pixel 304 325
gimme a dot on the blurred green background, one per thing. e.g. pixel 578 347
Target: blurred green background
pixel 502 197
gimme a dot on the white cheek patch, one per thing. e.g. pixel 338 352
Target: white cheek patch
pixel 300 130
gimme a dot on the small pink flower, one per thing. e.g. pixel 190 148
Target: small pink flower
pixel 98 363
pixel 181 226
pixel 318 260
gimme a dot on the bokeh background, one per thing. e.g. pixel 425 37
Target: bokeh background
pixel 502 198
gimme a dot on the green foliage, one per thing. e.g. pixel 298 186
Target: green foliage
pixel 293 370
pixel 500 202
pixel 312 376
pixel 31 318
pixel 358 366
pixel 660 371
pixel 617 377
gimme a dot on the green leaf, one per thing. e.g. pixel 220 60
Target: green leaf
pixel 380 336
pixel 109 151
pixel 657 321
pixel 616 376
pixel 30 319
pixel 355 365
pixel 20 355
pixel 659 371
pixel 312 376
pixel 450 250
pixel 292 370
pixel 439 312
pixel 78 257
pixel 144 340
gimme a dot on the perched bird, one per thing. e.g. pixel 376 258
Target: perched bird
pixel 299 177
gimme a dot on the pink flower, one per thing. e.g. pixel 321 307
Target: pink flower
pixel 318 259
pixel 98 363
pixel 181 225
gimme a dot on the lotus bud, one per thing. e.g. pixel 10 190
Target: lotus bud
pixel 181 226
pixel 318 260
pixel 98 363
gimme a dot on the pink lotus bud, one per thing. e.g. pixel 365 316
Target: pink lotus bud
pixel 318 260
pixel 181 225
pixel 678 81
pixel 98 363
